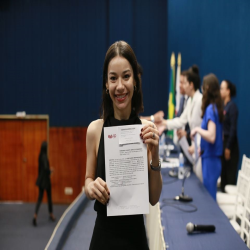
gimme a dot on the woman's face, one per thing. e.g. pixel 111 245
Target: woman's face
pixel 188 87
pixel 224 91
pixel 183 79
pixel 120 83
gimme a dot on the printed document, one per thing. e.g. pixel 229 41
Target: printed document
pixel 126 170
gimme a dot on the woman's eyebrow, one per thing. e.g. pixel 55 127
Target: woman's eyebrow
pixel 114 73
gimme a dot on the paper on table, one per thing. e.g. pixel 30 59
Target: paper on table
pixel 126 170
pixel 184 145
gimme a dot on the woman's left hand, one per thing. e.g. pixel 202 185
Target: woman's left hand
pixel 150 136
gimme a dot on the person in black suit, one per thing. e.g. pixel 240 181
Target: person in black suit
pixel 43 182
pixel 230 157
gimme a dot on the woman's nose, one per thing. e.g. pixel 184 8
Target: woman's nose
pixel 120 84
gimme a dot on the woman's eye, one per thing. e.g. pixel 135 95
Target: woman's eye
pixel 112 78
pixel 127 76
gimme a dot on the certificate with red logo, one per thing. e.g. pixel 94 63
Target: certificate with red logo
pixel 126 170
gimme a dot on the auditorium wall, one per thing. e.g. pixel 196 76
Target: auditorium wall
pixel 215 35
pixel 52 53
pixel 51 57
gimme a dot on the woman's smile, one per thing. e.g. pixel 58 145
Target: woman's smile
pixel 121 97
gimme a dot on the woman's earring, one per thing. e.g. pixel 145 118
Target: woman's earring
pixel 107 91
pixel 135 88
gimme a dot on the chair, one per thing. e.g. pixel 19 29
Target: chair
pixel 231 190
pixel 230 210
pixel 245 229
pixel 243 185
pixel 245 167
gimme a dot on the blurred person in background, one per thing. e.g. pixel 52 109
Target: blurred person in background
pixel 43 182
pixel 190 116
pixel 184 131
pixel 183 103
pixel 230 157
pixel 192 111
pixel 211 145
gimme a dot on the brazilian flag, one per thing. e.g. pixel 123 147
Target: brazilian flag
pixel 171 98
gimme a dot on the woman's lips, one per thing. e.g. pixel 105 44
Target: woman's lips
pixel 121 98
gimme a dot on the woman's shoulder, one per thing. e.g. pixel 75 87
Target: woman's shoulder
pixel 208 109
pixel 95 127
pixel 212 110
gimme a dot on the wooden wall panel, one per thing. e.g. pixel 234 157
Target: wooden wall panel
pixel 67 155
pixel 20 142
pixel 10 159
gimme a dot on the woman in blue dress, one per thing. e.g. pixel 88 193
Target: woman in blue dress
pixel 211 146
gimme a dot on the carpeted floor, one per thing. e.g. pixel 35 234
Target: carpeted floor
pixel 17 231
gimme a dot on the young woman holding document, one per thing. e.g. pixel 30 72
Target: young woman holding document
pixel 121 104
pixel 211 133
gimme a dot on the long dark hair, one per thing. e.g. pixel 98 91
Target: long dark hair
pixel 231 87
pixel 43 151
pixel 123 49
pixel 192 75
pixel 211 94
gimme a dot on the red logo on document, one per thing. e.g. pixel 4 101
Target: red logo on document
pixel 112 136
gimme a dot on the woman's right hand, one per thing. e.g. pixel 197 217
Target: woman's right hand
pixel 98 190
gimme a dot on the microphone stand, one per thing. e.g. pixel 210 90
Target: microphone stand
pixel 182 196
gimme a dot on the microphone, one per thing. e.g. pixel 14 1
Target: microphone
pixel 182 196
pixel 199 228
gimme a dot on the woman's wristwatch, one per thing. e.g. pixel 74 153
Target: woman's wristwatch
pixel 158 168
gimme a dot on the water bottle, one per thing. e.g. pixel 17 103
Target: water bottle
pixel 181 167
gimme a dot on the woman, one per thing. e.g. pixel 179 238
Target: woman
pixel 230 157
pixel 122 101
pixel 211 133
pixel 43 182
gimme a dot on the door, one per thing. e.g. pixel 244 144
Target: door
pixel 10 157
pixel 20 142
